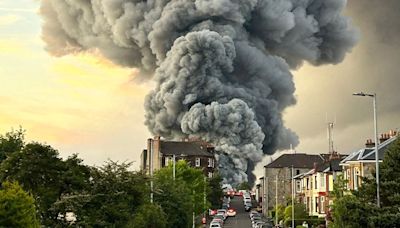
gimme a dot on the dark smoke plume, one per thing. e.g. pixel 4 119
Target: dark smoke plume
pixel 222 67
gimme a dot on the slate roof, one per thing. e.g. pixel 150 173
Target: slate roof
pixel 368 154
pixel 184 148
pixel 381 150
pixel 296 160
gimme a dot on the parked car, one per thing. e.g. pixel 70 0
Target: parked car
pixel 267 225
pixel 215 225
pixel 222 212
pixel 254 214
pixel 218 220
pixel 231 212
pixel 219 217
pixel 258 224
pixel 247 207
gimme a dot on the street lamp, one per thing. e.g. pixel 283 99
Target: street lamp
pixel 362 94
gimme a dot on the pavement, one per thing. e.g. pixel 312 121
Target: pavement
pixel 242 219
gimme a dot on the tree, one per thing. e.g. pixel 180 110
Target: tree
pixel 114 195
pixel 149 216
pixel 280 212
pixel 300 212
pixel 359 209
pixel 215 193
pixel 339 187
pixel 17 207
pixel 39 170
pixel 182 196
pixel 349 212
pixel 244 186
pixel 11 142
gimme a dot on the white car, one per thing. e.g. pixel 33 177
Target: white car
pixel 222 212
pixel 215 225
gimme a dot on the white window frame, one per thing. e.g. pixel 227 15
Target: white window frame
pixel 198 162
pixel 356 175
pixel 322 180
pixel 298 186
pixel 316 181
pixel 322 198
pixel 167 160
pixel 210 162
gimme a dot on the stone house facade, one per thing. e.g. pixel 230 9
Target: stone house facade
pixel 198 154
pixel 278 177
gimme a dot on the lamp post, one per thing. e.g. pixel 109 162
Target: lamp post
pixel 292 197
pixel 173 166
pixel 373 95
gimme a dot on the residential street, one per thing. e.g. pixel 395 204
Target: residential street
pixel 241 220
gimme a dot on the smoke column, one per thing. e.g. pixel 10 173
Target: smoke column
pixel 222 67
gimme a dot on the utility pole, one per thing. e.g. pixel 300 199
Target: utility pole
pixel 193 222
pixel 267 197
pixel 204 197
pixel 378 200
pixel 151 171
pixel 373 95
pixel 173 166
pixel 292 197
pixel 276 200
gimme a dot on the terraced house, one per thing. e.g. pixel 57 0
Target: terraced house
pixel 361 163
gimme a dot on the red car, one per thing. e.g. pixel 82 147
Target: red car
pixel 231 212
pixel 238 193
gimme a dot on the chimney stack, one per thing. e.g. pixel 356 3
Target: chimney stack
pixel 369 143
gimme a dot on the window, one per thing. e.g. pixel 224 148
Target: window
pixel 308 183
pixel 297 171
pixel 322 204
pixel 298 186
pixel 316 204
pixel 198 163
pixel 356 177
pixel 210 162
pixel 315 183
pixel 322 180
pixel 348 179
pixel 210 174
pixel 167 160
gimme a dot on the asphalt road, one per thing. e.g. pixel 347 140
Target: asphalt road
pixel 241 220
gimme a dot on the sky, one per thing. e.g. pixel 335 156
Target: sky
pixel 87 105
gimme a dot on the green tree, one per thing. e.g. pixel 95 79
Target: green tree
pixel 180 197
pixel 39 170
pixel 149 216
pixel 387 215
pixel 215 193
pixel 300 212
pixel 244 186
pixel 349 212
pixel 11 142
pixel 111 200
pixel 359 209
pixel 280 212
pixel 17 208
pixel 339 187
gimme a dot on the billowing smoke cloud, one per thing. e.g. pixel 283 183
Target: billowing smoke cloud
pixel 222 67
